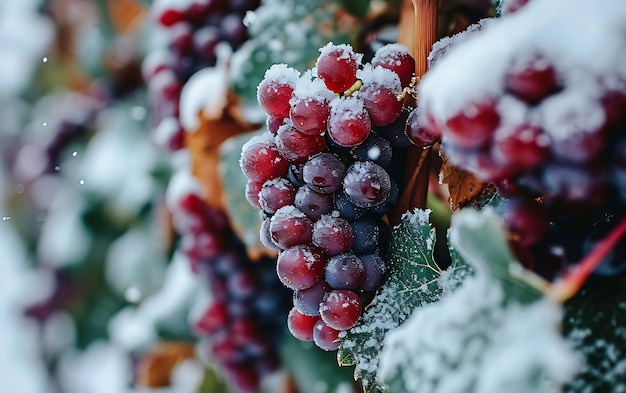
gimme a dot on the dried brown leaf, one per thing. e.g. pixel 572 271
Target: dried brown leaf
pixel 156 366
pixel 463 186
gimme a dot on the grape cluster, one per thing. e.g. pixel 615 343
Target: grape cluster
pixel 321 175
pixel 193 30
pixel 552 139
pixel 243 323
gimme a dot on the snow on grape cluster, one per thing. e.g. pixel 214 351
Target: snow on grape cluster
pixel 194 29
pixel 322 176
pixel 242 324
pixel 543 118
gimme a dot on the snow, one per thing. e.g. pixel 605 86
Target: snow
pixel 182 183
pixel 379 77
pixel 135 327
pixel 159 6
pixel 471 342
pixel 587 45
pixel 117 163
pixel 21 368
pixel 344 51
pixel 307 89
pixel 25 34
pixel 134 266
pixel 204 93
pixel 102 368
pixel 390 54
pixel 282 74
pixel 64 239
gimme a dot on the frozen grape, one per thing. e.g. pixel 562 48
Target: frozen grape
pixel 344 271
pixel 366 184
pixel 341 309
pixel 300 267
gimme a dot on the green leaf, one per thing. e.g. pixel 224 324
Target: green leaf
pixel 595 323
pixel 414 280
pixel 313 369
pixel 244 218
pixel 480 238
pixel 475 341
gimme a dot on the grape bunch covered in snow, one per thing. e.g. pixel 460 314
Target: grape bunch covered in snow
pixel 194 29
pixel 322 176
pixel 545 121
pixel 243 323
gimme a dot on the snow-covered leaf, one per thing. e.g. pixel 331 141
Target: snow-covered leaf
pixel 595 323
pixel 414 280
pixel 472 340
pixel 480 238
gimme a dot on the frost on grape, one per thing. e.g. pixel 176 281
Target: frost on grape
pixel 284 31
pixel 547 28
pixel 473 340
pixel 414 280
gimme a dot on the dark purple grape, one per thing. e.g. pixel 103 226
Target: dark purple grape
pixel 181 37
pixel 312 203
pixel 308 300
pixel 324 173
pixel 233 29
pixel 375 149
pixel 344 271
pixel 375 269
pixel 395 132
pixel 205 41
pixel 294 174
pixel 367 235
pixel 347 209
pixel 242 284
pixel 582 186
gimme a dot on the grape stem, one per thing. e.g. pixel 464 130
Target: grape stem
pixel 567 287
pixel 418 159
pixel 354 88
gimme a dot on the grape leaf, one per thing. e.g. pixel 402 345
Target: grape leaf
pixel 482 338
pixel 595 323
pixel 462 185
pixel 414 279
pixel 244 218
